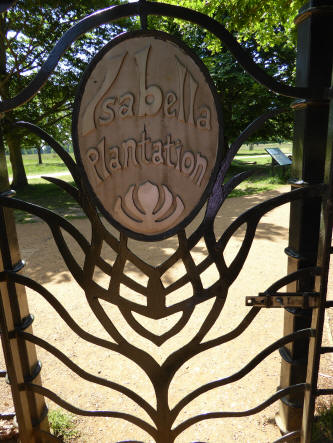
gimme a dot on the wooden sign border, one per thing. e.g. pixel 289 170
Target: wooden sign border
pixel 220 149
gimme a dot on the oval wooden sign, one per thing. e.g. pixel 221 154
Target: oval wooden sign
pixel 147 133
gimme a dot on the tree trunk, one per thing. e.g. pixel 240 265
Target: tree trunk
pixel 4 182
pixel 39 152
pixel 19 175
pixel 13 140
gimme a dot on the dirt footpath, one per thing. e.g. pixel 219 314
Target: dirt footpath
pixel 266 263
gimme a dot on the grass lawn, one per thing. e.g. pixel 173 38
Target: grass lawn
pixel 260 149
pixel 50 196
pixel 51 163
pixel 263 178
pixel 46 194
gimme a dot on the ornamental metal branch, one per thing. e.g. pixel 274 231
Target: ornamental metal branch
pixel 159 9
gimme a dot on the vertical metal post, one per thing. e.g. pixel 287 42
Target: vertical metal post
pixel 318 314
pixel 313 69
pixel 20 357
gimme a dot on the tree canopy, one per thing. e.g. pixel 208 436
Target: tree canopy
pixel 29 30
pixel 269 22
pixel 243 99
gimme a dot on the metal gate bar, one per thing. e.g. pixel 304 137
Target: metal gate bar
pixel 24 387
pixel 251 218
pixel 318 314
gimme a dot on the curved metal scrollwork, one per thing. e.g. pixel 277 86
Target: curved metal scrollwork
pixel 163 430
pixel 154 292
pixel 149 8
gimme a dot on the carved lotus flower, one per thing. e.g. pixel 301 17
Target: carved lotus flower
pixel 150 209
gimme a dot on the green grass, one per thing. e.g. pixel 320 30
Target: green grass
pixel 51 163
pixel 260 149
pixel 259 161
pixel 62 425
pixel 264 178
pixel 322 431
pixel 50 196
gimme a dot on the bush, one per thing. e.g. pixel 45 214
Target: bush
pixel 62 425
pixel 323 425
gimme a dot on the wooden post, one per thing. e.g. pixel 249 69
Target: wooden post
pixel 20 357
pixel 313 69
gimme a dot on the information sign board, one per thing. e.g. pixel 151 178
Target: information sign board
pixel 280 158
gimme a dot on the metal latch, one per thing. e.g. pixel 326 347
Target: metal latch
pixel 284 300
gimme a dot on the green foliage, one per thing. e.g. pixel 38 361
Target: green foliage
pixel 62 425
pixel 270 22
pixel 323 426
pixel 28 32
pixel 242 98
pixel 31 29
pixel 50 196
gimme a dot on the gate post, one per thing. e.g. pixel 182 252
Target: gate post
pixel 313 70
pixel 20 357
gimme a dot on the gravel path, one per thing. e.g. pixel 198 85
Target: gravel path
pixel 265 264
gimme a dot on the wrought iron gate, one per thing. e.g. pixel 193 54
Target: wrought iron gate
pixel 22 366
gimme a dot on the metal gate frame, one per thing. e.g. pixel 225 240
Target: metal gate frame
pixel 306 280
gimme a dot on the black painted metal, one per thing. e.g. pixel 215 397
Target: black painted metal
pixel 86 376
pixel 143 14
pixel 162 375
pixel 324 254
pixel 6 4
pixel 34 373
pixel 293 254
pixel 30 387
pixel 63 154
pixel 8 416
pixel 324 392
pixel 285 354
pixel 46 436
pixel 26 322
pixel 40 419
pixel 180 428
pixel 291 436
pixel 326 349
pixel 314 67
pixel 168 369
pixel 131 9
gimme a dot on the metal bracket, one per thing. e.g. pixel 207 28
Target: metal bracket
pixel 303 300
pixel 293 254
